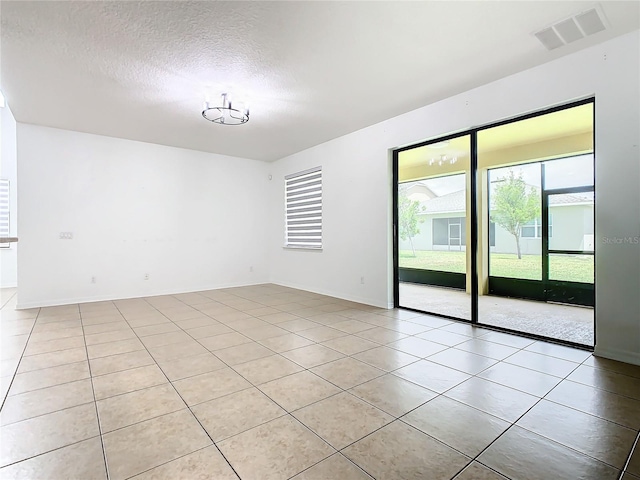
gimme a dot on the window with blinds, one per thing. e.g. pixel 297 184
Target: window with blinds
pixel 303 205
pixel 4 210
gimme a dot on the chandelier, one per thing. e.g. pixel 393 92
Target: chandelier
pixel 442 160
pixel 226 113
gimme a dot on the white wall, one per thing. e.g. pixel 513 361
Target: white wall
pixel 357 185
pixel 8 170
pixel 191 220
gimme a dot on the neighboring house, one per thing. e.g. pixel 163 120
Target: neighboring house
pixel 419 192
pixel 443 225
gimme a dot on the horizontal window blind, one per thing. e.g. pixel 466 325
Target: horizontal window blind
pixel 4 210
pixel 303 205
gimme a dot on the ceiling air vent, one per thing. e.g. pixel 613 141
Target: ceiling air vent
pixel 571 29
pixel 568 30
pixel 549 38
pixel 590 22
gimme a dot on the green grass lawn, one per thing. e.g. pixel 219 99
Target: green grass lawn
pixel 571 268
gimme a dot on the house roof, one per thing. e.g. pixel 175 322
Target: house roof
pixel 455 202
pixel 571 198
pixel 452 202
pixel 420 189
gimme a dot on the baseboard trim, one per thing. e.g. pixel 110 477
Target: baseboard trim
pixel 112 297
pixel 350 298
pixel 621 356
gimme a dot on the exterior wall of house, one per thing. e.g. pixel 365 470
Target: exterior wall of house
pixel 506 243
pixel 572 230
pixel 424 239
pixel 572 227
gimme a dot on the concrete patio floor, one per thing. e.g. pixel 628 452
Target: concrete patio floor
pixel 562 322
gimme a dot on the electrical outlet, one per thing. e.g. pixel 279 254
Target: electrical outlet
pixel 251 269
pixel 66 235
pixel 93 279
pixel 362 280
pixel 146 276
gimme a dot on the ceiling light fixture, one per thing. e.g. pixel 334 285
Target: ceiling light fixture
pixel 442 160
pixel 227 113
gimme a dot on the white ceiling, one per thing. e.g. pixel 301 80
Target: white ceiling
pixel 311 71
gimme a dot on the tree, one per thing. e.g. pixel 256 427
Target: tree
pixel 408 220
pixel 514 205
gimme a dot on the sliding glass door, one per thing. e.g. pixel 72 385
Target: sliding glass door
pixel 433 221
pixel 522 193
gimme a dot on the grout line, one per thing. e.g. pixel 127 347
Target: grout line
pixel 340 454
pixel 49 386
pixel 287 413
pixel 15 371
pixel 341 390
pixel 95 403
pixel 49 451
pixel 178 458
pixel 183 400
pixel 6 302
pixel 49 413
pixel 628 460
pixel 384 372
pixel 138 422
pixel 513 424
pixel 588 413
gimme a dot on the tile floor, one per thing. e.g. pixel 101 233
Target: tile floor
pixel 570 323
pixel 267 382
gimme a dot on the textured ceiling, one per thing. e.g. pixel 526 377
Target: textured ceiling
pixel 311 71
